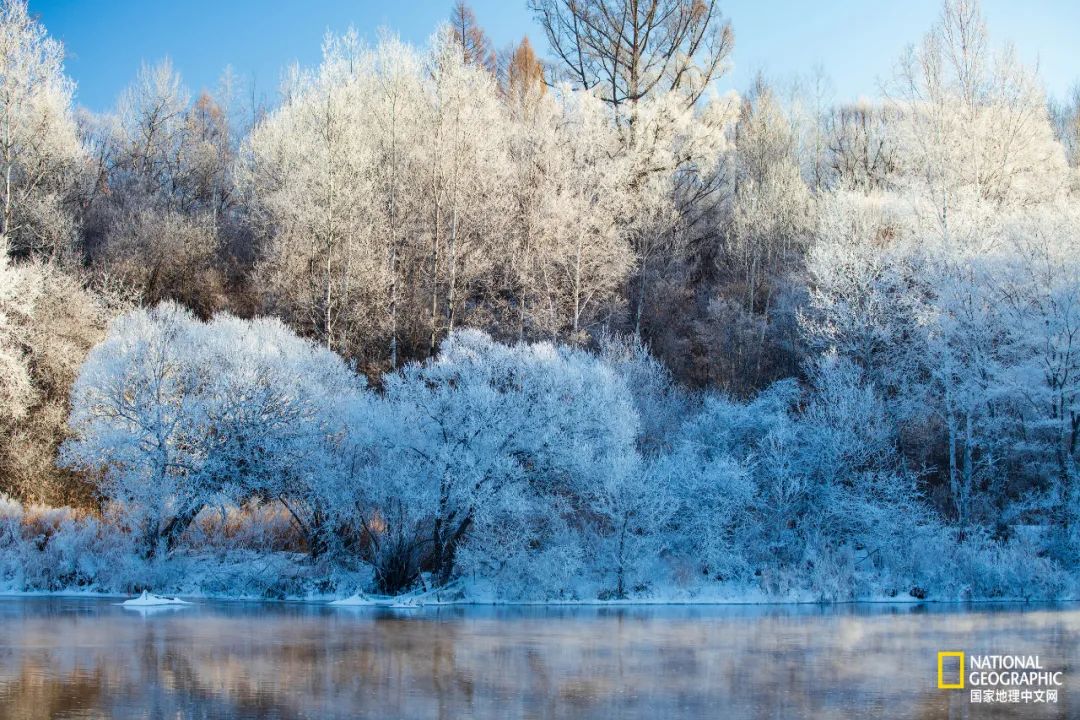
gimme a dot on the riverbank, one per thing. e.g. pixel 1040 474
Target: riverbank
pixel 411 601
pixel 252 556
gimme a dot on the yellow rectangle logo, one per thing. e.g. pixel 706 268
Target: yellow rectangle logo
pixel 942 685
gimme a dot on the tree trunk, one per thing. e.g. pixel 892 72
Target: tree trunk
pixel 451 291
pixel 639 310
pixel 433 343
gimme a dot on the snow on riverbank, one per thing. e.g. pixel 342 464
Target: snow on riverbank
pixel 363 600
pixel 91 559
pixel 151 600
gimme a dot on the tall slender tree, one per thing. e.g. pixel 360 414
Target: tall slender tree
pixel 40 154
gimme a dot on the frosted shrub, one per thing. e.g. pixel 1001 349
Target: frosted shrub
pixel 796 487
pixel 61 549
pixel 529 555
pixel 253 526
pixel 173 415
pixel 482 433
pixel 525 469
pixel 980 567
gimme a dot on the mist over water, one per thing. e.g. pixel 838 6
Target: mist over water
pixel 65 658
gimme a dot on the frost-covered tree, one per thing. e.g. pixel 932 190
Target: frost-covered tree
pixel 135 416
pixel 860 301
pixel 18 288
pixel 396 106
pixel 629 50
pixel 40 154
pixel 662 403
pixel 48 322
pixel 630 509
pixel 772 205
pixel 751 261
pixel 152 113
pixel 792 497
pixel 306 169
pixel 733 252
pixel 862 145
pixel 64 320
pixel 917 277
pixel 1036 292
pixel 975 125
pixel 675 181
pixel 583 258
pixel 1066 118
pixel 487 433
pixel 655 63
pixel 372 173
pixel 275 409
pixel 171 415
pixel 163 199
pixel 467 169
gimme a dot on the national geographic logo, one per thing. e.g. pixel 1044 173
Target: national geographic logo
pixel 999 678
pixel 942 683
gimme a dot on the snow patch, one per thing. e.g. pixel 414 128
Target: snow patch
pixel 358 600
pixel 151 600
pixel 365 600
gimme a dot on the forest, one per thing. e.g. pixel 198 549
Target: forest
pixel 562 323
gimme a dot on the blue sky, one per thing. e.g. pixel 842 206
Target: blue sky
pixel 856 42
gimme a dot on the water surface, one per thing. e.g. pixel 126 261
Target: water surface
pixel 68 658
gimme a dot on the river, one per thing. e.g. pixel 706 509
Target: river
pixel 91 658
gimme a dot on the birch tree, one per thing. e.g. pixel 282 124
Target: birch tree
pixel 467 172
pixel 40 153
pixel 307 172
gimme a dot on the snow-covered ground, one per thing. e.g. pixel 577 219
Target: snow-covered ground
pixel 192 578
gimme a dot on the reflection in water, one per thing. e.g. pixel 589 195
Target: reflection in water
pixel 89 658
